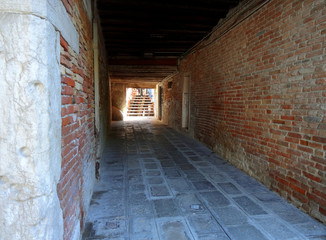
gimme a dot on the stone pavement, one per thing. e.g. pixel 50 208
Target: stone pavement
pixel 158 184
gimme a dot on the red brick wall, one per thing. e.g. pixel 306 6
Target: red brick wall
pixel 258 97
pixel 79 140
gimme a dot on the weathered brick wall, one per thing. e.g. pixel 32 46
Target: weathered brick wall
pixel 79 137
pixel 258 97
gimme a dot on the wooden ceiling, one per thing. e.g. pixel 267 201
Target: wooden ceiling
pixel 145 38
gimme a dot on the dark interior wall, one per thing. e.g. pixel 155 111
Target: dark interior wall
pixel 258 98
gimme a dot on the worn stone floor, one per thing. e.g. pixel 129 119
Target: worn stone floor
pixel 158 184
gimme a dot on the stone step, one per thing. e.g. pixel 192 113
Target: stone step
pixel 139 114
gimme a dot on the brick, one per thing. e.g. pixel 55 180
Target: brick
pixel 67 90
pixel 278 121
pixel 294 135
pixel 287 117
pixel 63 43
pixel 66 100
pixel 321 209
pixel 67 80
pixel 297 189
pixel 319 139
pixel 312 177
pixel 305 149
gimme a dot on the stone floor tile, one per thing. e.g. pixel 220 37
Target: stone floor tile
pixel 245 232
pixel 268 197
pixel 174 229
pixel 143 236
pixel 107 228
pixel 204 224
pixel 217 178
pixel 168 163
pixel 179 185
pixel 152 173
pixel 278 229
pixel 142 225
pixel 171 173
pixel 231 215
pixel 136 188
pixel 312 229
pixel 156 183
pixel 165 208
pixel 214 236
pixel 135 179
pixel 215 199
pixel 186 166
pixel 190 204
pixel 294 217
pixel 229 188
pixel 137 198
pixel 155 180
pixel 142 210
pixel 203 185
pixel 249 206
pixel 150 166
pixel 159 191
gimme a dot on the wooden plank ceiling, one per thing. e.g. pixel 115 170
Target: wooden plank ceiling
pixel 145 38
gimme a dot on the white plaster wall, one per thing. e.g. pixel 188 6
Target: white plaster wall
pixel 30 128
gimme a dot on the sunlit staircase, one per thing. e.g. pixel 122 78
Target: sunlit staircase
pixel 140 106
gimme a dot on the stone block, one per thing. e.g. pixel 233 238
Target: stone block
pixel 165 208
pixel 229 188
pixel 204 186
pixel 204 224
pixel 277 229
pixel 231 215
pixel 179 185
pixel 155 180
pixel 159 191
pixel 245 231
pixel 142 210
pixel 249 206
pixel 151 166
pixel 189 203
pixel 174 230
pixel 171 173
pixel 215 198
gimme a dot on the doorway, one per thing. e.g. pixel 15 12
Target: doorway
pixel 160 102
pixel 140 102
pixel 185 103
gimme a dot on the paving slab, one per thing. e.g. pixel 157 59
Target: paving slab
pixel 158 184
pixel 174 229
pixel 204 224
pixel 246 231
pixel 249 206
pixel 231 215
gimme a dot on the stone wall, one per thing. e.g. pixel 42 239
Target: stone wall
pixel 258 96
pixel 82 141
pixel 30 141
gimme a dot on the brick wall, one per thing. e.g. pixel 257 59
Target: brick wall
pixel 258 97
pixel 79 138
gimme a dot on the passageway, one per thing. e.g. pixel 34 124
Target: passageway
pixel 156 183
